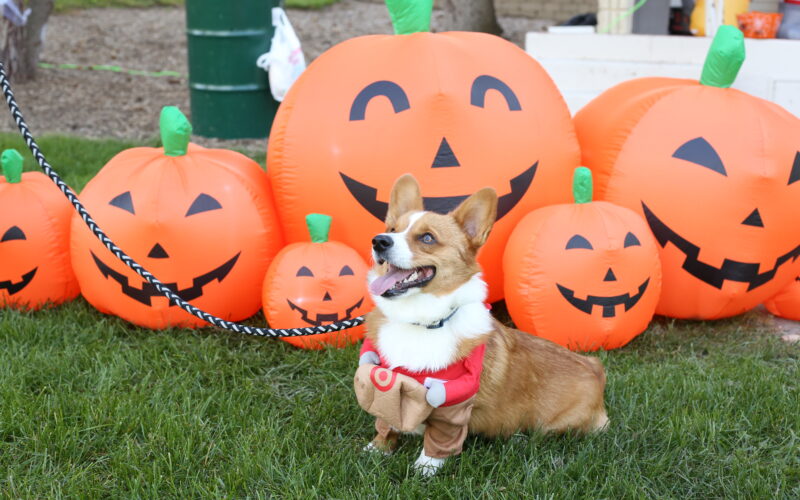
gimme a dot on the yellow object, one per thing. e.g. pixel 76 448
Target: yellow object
pixel 697 23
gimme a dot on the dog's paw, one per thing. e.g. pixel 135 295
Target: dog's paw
pixel 371 447
pixel 428 466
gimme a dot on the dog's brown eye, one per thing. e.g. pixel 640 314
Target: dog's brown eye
pixel 427 238
pixel 391 230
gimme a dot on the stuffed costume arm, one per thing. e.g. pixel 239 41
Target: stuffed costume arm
pixel 464 387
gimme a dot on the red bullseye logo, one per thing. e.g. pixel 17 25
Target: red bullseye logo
pixel 382 379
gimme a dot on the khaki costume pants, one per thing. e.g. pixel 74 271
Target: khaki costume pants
pixel 445 429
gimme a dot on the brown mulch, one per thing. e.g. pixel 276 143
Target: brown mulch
pixel 107 104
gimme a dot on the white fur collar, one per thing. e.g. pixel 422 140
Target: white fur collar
pixel 418 348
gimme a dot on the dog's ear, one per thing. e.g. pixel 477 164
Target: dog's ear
pixel 405 198
pixel 476 216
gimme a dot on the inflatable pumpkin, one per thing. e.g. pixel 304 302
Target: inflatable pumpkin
pixel 584 275
pixel 317 283
pixel 786 304
pixel 34 239
pixel 201 220
pixel 714 171
pixel 460 111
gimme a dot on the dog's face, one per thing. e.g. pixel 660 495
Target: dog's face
pixel 425 251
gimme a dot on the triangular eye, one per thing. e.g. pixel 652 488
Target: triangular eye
pixel 123 201
pixel 700 152
pixel 794 176
pixel 578 241
pixel 13 233
pixel 304 271
pixel 203 203
pixel 631 240
pixel 346 271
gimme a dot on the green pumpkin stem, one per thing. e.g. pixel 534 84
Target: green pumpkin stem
pixel 410 16
pixel 724 59
pixel 319 226
pixel 11 161
pixel 582 185
pixel 175 131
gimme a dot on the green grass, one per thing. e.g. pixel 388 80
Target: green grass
pixel 64 5
pixel 91 407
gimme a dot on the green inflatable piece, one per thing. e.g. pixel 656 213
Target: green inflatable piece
pixel 582 185
pixel 724 59
pixel 410 16
pixel 175 131
pixel 319 226
pixel 11 161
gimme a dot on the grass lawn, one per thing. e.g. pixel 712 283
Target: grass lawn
pixel 91 407
pixel 62 5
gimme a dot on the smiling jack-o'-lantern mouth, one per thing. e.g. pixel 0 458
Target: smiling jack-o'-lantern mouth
pixel 607 303
pixel 367 196
pixel 13 288
pixel 148 291
pixel 325 318
pixel 731 270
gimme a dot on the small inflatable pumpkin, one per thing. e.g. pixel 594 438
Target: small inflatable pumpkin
pixel 460 111
pixel 584 275
pixel 317 283
pixel 714 171
pixel 786 304
pixel 34 239
pixel 201 220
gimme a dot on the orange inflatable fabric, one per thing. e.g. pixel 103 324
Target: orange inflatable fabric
pixel 201 220
pixel 786 304
pixel 460 111
pixel 713 170
pixel 35 270
pixel 584 275
pixel 317 283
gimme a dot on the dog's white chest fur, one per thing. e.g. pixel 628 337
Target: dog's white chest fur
pixel 417 348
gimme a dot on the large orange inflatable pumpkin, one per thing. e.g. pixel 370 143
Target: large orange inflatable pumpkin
pixel 34 239
pixel 714 171
pixel 201 220
pixel 786 304
pixel 317 283
pixel 460 111
pixel 584 275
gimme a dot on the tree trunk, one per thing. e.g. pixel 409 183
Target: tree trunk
pixel 471 15
pixel 24 43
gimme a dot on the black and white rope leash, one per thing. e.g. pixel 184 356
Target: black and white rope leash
pixel 172 296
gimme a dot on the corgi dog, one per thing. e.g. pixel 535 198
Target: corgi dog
pixel 430 322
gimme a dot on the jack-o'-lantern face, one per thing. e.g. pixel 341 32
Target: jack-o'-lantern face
pixel 714 171
pixel 458 111
pixel 316 283
pixel 610 291
pixel 721 199
pixel 34 239
pixel 200 220
pixel 325 309
pixel 584 275
pixel 193 286
pixel 15 234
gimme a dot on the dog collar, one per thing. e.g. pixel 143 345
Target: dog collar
pixel 438 324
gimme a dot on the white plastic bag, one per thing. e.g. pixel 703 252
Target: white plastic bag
pixel 285 60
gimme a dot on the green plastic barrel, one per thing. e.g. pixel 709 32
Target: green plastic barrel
pixel 230 97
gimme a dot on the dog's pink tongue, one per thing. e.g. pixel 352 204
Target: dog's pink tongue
pixel 388 280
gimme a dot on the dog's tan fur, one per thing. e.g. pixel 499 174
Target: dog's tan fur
pixel 527 382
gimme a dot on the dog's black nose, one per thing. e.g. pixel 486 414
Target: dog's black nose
pixel 382 242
